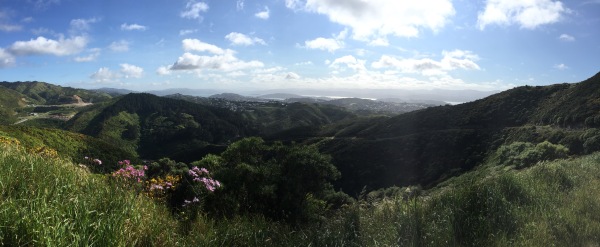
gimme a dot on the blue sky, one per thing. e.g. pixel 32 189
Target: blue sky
pixel 270 44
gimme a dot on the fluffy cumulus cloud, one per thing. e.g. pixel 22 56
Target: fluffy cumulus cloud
pixel 223 60
pixel 451 60
pixel 244 40
pixel 375 19
pixel 326 44
pixel 131 71
pixel 349 61
pixel 263 14
pixel 566 37
pixel 193 10
pixel 43 46
pixel 133 27
pixel 197 45
pixel 104 75
pixel 6 59
pixel 226 62
pixel 527 14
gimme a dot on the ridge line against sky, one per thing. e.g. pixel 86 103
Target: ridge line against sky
pixel 244 44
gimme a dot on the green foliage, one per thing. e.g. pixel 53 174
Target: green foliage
pixel 69 145
pixel 51 202
pixel 45 123
pixel 282 182
pixel 551 203
pixel 524 154
pixel 158 127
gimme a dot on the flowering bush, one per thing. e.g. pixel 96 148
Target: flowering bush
pixel 130 173
pixel 9 141
pixel 44 152
pixel 209 183
pixel 201 177
pixel 158 187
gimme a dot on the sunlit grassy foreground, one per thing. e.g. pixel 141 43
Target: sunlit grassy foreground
pixel 51 202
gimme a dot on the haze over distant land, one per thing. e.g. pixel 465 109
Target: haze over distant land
pixel 255 46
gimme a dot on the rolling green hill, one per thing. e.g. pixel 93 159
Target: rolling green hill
pixel 47 94
pixel 427 146
pixel 157 127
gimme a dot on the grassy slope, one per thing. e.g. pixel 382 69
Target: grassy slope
pixel 54 202
pixel 68 145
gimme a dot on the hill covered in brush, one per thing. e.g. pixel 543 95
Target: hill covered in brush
pixel 430 145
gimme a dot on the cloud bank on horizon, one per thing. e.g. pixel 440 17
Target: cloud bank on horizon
pixel 269 44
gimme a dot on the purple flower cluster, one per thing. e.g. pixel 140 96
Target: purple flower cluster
pixel 129 172
pixel 209 183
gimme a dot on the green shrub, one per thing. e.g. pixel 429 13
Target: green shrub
pixel 524 154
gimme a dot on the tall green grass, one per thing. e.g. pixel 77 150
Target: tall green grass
pixel 52 202
pixel 552 203
pixel 49 202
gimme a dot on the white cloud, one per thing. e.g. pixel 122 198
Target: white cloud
pixel 28 19
pixel 94 53
pixel 133 27
pixel 197 45
pixel 349 61
pixel 239 5
pixel 119 46
pixel 263 14
pixel 379 42
pixel 187 31
pixel 43 4
pixel 104 74
pixel 561 66
pixel 10 28
pixel 327 44
pixel 241 39
pixel 528 14
pixel 566 37
pixel 374 19
pixel 82 24
pixel 163 70
pixel 225 62
pixel 293 4
pixel 44 46
pixel 453 60
pixel 6 59
pixel 132 71
pixel 193 9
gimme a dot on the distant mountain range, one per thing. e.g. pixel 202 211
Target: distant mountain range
pixel 434 96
